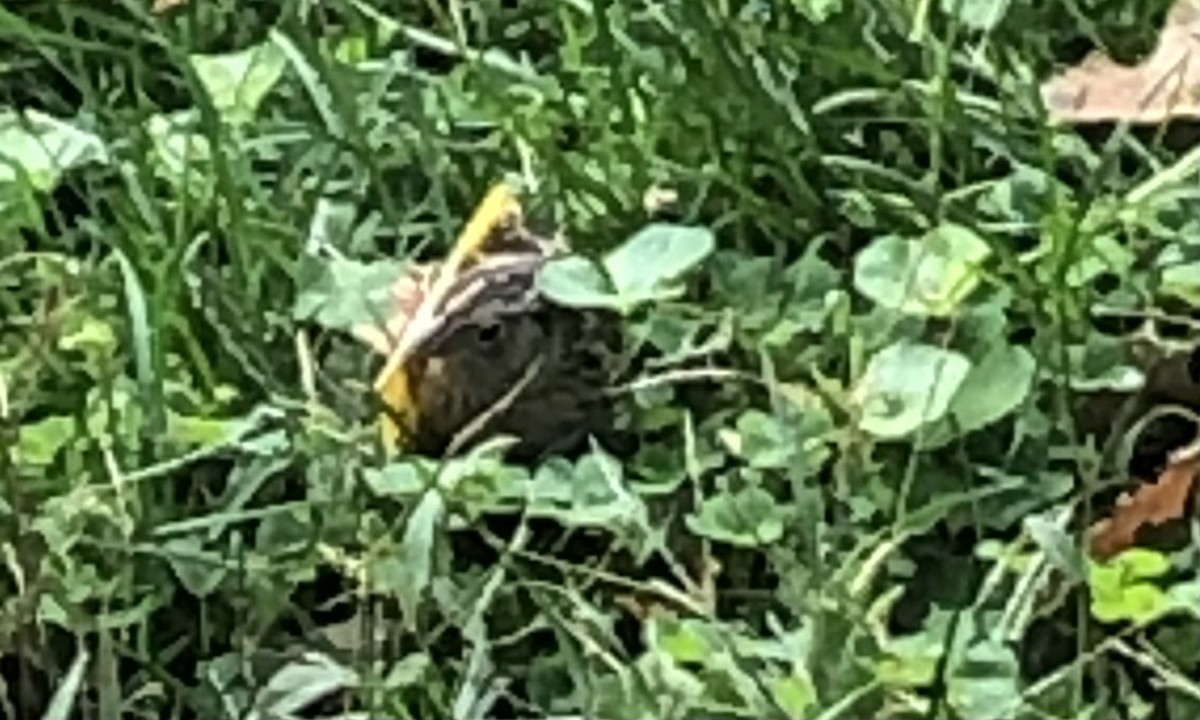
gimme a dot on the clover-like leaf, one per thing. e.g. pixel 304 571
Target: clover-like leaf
pixel 401 479
pixel 238 81
pixel 927 277
pixel 1120 590
pixel 40 147
pixel 907 385
pixel 39 442
pixel 576 281
pixel 645 265
pixel 749 517
pixel 1136 602
pixel 341 293
pixel 994 387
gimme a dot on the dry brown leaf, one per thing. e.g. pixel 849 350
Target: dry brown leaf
pixel 1164 85
pixel 1151 504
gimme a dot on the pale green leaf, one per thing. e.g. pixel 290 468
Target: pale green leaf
pixel 928 277
pixel 40 441
pixel 575 281
pixel 237 82
pixel 993 388
pixel 645 265
pixel 341 293
pixel 40 147
pixel 907 385
pixel 749 517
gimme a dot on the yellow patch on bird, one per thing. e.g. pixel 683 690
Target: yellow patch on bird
pixel 398 423
pixel 497 207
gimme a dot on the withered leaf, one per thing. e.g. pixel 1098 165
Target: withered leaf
pixel 1165 85
pixel 1151 504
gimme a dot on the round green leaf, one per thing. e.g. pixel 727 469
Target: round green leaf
pixel 1139 603
pixel 907 385
pixel 994 387
pixel 575 281
pixel 927 277
pixel 643 265
pixel 749 518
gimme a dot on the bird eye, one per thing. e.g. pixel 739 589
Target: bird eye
pixel 488 333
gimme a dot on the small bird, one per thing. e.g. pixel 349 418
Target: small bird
pixel 476 351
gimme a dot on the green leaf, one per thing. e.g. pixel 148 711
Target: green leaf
pixel 643 266
pixel 1186 596
pixel 237 82
pixel 592 493
pixel 818 10
pixel 764 441
pixel 180 153
pixel 927 277
pixel 408 671
pixel 1177 268
pixel 398 479
pixel 985 682
pixel 1106 253
pixel 39 442
pixel 685 642
pixel 1060 548
pixel 993 388
pixel 1103 364
pixel 199 570
pixel 299 684
pixel 1139 603
pixel 88 334
pixel 749 517
pixel 907 385
pixel 1140 563
pixel 40 147
pixel 1118 591
pixel 981 15
pixel 911 661
pixel 206 431
pixel 341 293
pixel 332 221
pixel 794 693
pixel 575 281
pixel 417 551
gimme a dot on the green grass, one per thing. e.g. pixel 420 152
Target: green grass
pixel 195 519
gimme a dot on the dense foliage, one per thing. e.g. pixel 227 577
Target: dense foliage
pixel 872 425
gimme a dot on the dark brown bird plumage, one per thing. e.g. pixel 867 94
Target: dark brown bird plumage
pixel 514 363
pixel 504 360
